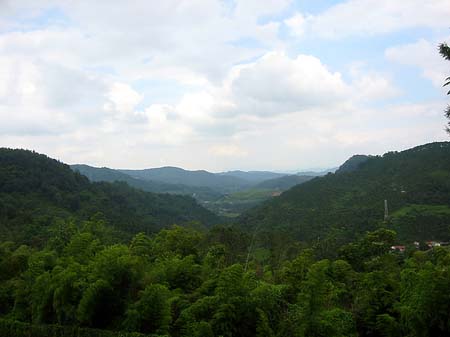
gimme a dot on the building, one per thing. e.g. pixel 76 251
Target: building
pixel 400 249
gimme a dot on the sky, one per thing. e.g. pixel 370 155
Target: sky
pixel 221 84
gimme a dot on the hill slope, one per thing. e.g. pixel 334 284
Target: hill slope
pixel 348 203
pixel 37 191
pixel 111 175
pixel 200 178
pixel 283 183
pixel 253 176
pixel 353 163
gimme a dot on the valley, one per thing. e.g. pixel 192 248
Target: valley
pixel 136 254
pixel 224 168
pixel 226 193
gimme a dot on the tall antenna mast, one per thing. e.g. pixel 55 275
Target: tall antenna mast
pixel 386 211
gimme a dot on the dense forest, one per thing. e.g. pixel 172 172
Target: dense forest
pixel 184 282
pixel 79 258
pixel 343 205
pixel 37 192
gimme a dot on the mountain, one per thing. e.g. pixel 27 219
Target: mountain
pixel 283 183
pixel 110 175
pixel 319 173
pixel 415 183
pixel 353 163
pixel 253 176
pixel 37 191
pixel 200 178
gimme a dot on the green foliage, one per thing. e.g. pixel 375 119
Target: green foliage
pixel 426 222
pixel 147 287
pixel 19 329
pixel 176 241
pixel 39 195
pixel 351 203
pixel 444 50
pixel 151 313
pixel 183 282
pixel 175 175
pixel 96 307
pixel 233 204
pixel 201 193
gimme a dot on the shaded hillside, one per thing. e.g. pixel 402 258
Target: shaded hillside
pixel 110 175
pixel 37 191
pixel 175 175
pixel 283 183
pixel 352 202
pixel 353 163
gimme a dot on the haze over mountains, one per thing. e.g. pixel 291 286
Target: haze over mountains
pixel 175 175
pixel 221 192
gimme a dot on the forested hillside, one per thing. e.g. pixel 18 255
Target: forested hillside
pixel 353 163
pixel 347 203
pixel 253 176
pixel 301 265
pixel 283 183
pixel 199 178
pixel 37 192
pixel 110 175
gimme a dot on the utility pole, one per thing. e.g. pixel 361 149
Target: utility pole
pixel 386 211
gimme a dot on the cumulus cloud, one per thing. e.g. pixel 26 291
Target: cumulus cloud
pixel 277 84
pixel 123 98
pixel 71 83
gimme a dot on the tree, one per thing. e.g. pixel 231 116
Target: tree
pixel 444 50
pixel 151 313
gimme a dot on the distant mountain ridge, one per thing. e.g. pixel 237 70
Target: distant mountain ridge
pixel 226 193
pixel 318 173
pixel 253 176
pixel 178 180
pixel 202 178
pixel 111 175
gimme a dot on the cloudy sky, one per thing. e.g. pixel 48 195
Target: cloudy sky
pixel 217 85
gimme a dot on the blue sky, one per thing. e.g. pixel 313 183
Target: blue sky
pixel 218 85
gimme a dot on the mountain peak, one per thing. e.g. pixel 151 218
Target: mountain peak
pixel 353 163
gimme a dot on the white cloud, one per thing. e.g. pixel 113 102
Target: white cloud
pixel 370 86
pixel 297 24
pixel 123 97
pixel 370 17
pixel 73 90
pixel 228 150
pixel 424 55
pixel 277 84
pixel 274 97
